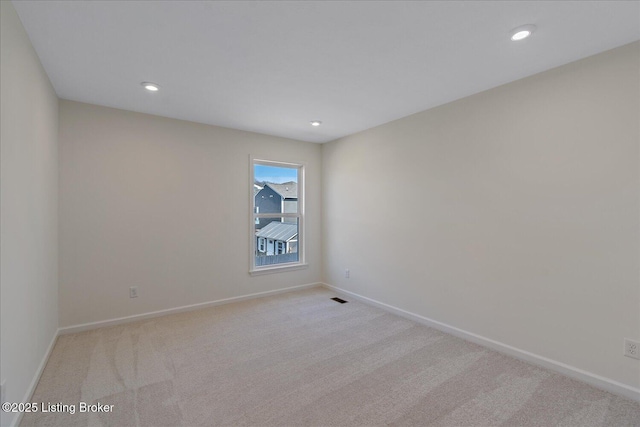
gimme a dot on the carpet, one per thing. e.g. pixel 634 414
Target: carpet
pixel 301 359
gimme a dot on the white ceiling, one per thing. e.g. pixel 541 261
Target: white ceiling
pixel 271 67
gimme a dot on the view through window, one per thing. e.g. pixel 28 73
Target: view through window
pixel 277 214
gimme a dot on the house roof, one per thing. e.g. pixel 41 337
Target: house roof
pixel 256 189
pixel 279 231
pixel 288 190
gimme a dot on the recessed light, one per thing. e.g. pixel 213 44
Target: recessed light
pixel 522 32
pixel 151 87
pixel 316 123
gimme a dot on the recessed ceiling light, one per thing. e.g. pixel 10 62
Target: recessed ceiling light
pixel 316 123
pixel 151 87
pixel 522 32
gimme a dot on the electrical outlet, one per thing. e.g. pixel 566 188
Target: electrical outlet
pixel 346 273
pixel 632 348
pixel 133 292
pixel 3 391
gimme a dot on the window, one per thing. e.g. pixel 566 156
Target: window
pixel 277 216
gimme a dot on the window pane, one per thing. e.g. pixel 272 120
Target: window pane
pixel 277 215
pixel 276 241
pixel 275 190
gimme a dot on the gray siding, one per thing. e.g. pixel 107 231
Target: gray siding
pixel 267 201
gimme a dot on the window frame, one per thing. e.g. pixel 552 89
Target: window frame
pixel 299 215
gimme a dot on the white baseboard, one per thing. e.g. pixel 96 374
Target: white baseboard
pixel 34 382
pixel 150 315
pixel 94 325
pixel 592 379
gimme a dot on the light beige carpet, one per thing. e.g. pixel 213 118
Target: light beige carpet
pixel 300 359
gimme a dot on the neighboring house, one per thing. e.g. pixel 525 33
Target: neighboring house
pixel 275 198
pixel 256 189
pixel 277 238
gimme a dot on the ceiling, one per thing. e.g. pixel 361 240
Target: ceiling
pixel 272 67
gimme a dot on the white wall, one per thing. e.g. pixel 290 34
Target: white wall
pixel 512 214
pixel 163 204
pixel 28 210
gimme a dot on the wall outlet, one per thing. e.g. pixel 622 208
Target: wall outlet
pixel 3 391
pixel 133 292
pixel 632 348
pixel 346 273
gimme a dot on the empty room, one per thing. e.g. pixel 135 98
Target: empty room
pixel 320 213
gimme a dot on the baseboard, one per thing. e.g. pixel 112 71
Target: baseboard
pixel 34 382
pixel 175 310
pixel 562 368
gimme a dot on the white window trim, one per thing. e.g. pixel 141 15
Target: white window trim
pixel 300 215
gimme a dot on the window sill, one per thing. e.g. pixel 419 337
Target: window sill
pixel 278 269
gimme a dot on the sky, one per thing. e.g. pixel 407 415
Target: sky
pixel 274 174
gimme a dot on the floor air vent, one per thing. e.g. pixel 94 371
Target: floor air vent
pixel 340 300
